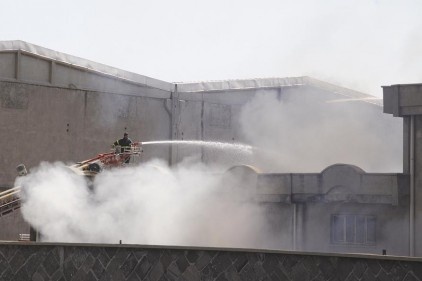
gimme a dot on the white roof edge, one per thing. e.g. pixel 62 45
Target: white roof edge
pixel 239 84
pixel 16 45
pixel 345 92
pixel 242 84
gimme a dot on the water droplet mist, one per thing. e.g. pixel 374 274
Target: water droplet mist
pixel 146 204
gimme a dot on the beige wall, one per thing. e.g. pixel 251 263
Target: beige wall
pixel 11 225
pixel 41 123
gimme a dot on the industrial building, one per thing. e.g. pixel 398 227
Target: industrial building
pixel 57 107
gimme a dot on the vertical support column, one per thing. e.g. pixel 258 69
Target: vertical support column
pixel 18 65
pixel 294 226
pixel 406 144
pixel 416 183
pixel 405 101
pixel 410 143
pixel 52 72
pixel 298 217
pixel 175 120
pixel 202 127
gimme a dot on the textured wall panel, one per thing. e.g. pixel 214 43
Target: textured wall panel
pixel 8 65
pixel 51 262
pixel 34 69
pixel 56 124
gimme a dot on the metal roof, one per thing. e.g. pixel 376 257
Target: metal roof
pixel 188 87
pixel 83 63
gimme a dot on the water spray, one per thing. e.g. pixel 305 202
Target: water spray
pixel 371 100
pixel 212 144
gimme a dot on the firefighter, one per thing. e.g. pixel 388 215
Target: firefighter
pixel 125 142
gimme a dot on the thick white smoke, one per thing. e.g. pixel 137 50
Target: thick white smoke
pixel 302 132
pixel 147 204
pixel 190 204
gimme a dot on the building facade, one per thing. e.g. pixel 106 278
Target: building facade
pixel 56 107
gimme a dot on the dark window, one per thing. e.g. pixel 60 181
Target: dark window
pixel 353 229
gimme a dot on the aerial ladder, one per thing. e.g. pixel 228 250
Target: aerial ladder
pixel 10 200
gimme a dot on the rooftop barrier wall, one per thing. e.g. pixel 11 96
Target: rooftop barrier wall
pixel 43 261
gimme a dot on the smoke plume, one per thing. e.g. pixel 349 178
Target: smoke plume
pixel 147 204
pixel 302 132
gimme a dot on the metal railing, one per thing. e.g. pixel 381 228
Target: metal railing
pixel 9 200
pixel 24 237
pixel 134 148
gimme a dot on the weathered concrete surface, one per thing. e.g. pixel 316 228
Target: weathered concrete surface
pixel 12 225
pixel 405 101
pixel 50 123
pixel 56 124
pixel 105 262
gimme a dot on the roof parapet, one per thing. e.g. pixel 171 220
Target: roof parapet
pixel 32 49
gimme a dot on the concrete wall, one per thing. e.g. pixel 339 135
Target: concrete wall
pixel 42 123
pixel 57 107
pixel 50 123
pixel 12 225
pixel 47 96
pixel 300 210
pixel 406 101
pixel 307 204
pixel 88 262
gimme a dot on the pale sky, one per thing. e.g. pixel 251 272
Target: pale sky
pixel 359 44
